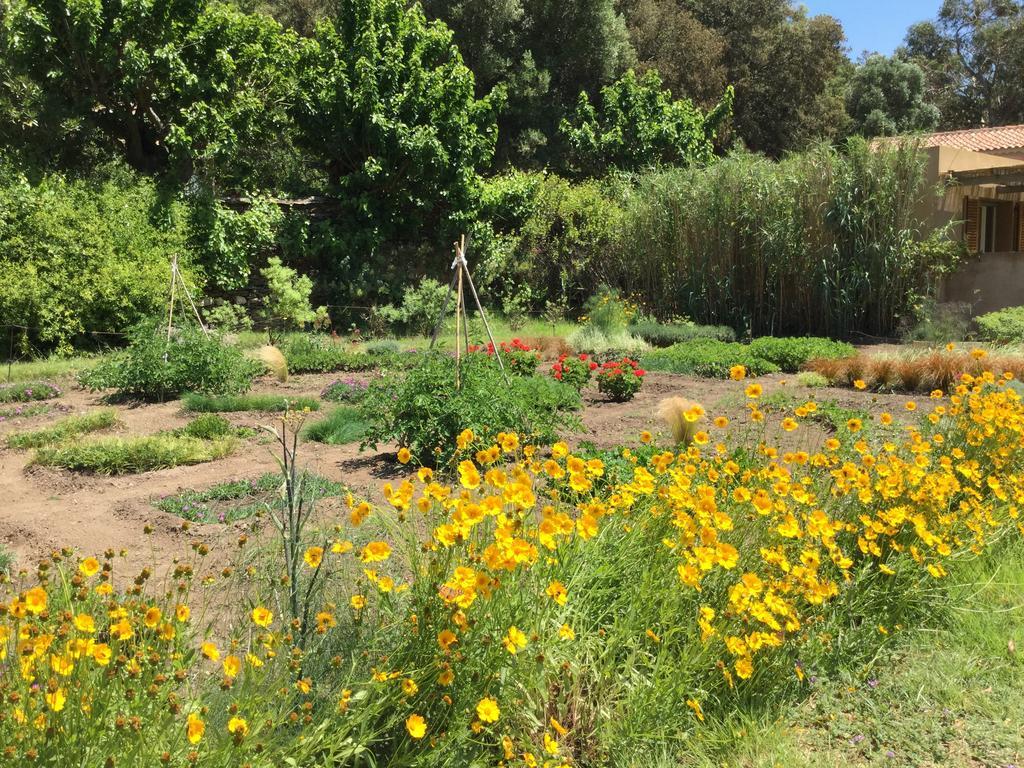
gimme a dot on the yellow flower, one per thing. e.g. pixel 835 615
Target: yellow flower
pixel 514 640
pixel 262 617
pixel 754 390
pixel 404 455
pixel 859 384
pixel 89 567
pixel 375 552
pixel 445 639
pixel 194 728
pixel 465 438
pixel 313 556
pixel 182 612
pixel 232 666
pixel 737 373
pixel 416 726
pixel 695 706
pixel 122 630
pixel 566 633
pixel 102 654
pixel 409 687
pixel 56 700
pixel 854 425
pixel 721 422
pixel 209 650
pixel 789 424
pixel 556 591
pixel 84 623
pixel 560 729
pixel 35 600
pixel 911 406
pixel 358 602
pixel 646 437
pixel 550 744
pixel 469 476
pixel 152 617
pixel 487 710
pixel 238 727
pixel 744 667
pixel 885 419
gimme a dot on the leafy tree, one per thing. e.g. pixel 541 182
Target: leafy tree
pixel 286 305
pixel 973 56
pixel 886 98
pixel 159 81
pixel 787 69
pixel 386 109
pixel 668 38
pixel 639 124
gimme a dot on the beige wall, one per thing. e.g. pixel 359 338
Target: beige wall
pixel 986 281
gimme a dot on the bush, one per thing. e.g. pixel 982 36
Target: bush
pixel 712 359
pixel 608 312
pixel 119 456
pixel 345 391
pixel 154 367
pixel 286 305
pixel 209 426
pixel 421 307
pixel 666 334
pixel 1005 325
pixel 198 403
pixel 606 346
pixel 78 256
pixel 939 322
pixel 519 358
pixel 573 371
pixel 425 412
pixel 314 353
pixel 620 380
pixel 383 347
pixel 28 391
pixel 66 429
pixel 341 426
pixel 791 353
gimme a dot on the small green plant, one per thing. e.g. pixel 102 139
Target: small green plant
pixel 425 412
pixel 208 426
pixel 518 357
pixel 64 430
pixel 229 318
pixel 791 353
pixel 6 561
pixel 1005 325
pixel 620 380
pixel 24 411
pixel 666 334
pixel 383 347
pixel 608 312
pixel 516 307
pixel 155 367
pixel 345 391
pixel 309 353
pixel 811 379
pixel 573 370
pixel 286 305
pixel 119 456
pixel 711 359
pixel 341 426
pixel 421 307
pixel 28 391
pixel 199 403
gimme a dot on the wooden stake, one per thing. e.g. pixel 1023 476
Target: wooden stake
pixel 459 310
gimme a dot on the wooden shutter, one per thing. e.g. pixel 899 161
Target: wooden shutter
pixel 1020 227
pixel 971 224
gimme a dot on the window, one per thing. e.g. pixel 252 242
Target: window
pixel 987 226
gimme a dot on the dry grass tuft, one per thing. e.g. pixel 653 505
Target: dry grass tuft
pixel 672 411
pixel 274 359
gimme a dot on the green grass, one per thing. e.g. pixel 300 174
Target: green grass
pixel 66 429
pixel 25 410
pixel 341 426
pixel 946 694
pixel 6 560
pixel 50 368
pixel 238 499
pixel 119 456
pixel 263 403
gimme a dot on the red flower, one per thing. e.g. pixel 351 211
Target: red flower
pixel 639 373
pixel 583 358
pixel 593 366
pixel 558 375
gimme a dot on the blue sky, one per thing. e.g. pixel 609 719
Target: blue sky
pixel 874 25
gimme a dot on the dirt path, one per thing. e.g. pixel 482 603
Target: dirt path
pixel 44 510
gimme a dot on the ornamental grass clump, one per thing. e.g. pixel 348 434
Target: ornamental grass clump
pixel 620 380
pixel 66 429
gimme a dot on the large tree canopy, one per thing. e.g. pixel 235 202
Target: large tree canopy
pixel 160 81
pixel 638 125
pixel 386 107
pixel 886 98
pixel 973 55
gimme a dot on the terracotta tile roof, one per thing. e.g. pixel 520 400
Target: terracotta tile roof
pixel 979 139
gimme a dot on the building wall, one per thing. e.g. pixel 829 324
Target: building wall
pixel 987 282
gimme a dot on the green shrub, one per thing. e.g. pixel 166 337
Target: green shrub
pixel 78 256
pixel 591 340
pixel 811 379
pixel 791 353
pixel 154 367
pixel 209 426
pixel 620 379
pixel 712 359
pixel 119 456
pixel 608 312
pixel 939 322
pixel 315 353
pixel 286 305
pixel 383 347
pixel 341 426
pixel 28 391
pixel 199 403
pixel 425 412
pixel 573 370
pixel 345 391
pixel 1005 325
pixel 666 334
pixel 6 560
pixel 66 429
pixel 420 309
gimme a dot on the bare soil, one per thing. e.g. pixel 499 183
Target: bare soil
pixel 44 510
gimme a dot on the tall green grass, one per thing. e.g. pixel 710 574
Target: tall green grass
pixel 341 426
pixel 827 241
pixel 66 429
pixel 200 403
